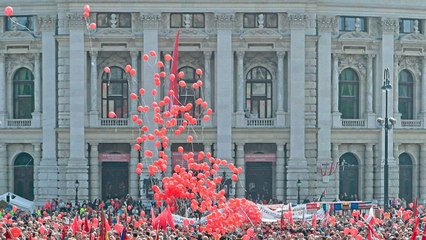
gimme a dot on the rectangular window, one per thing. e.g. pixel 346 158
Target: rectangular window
pixel 113 20
pixel 20 23
pixel 409 26
pixel 348 24
pixel 183 20
pixel 255 20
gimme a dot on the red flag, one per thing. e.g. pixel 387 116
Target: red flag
pixel 152 215
pixel 424 233
pixel 104 223
pixel 8 234
pixel 415 210
pixel 290 215
pixel 174 83
pixel 170 218
pixel 74 225
pixel 86 225
pixel 415 229
pixel 371 231
pixel 314 221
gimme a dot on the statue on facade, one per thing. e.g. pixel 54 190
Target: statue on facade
pixel 260 21
pixel 113 20
pixel 187 20
pixel 416 26
pixel 357 24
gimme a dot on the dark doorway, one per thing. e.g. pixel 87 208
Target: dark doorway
pixel 348 177
pixel 259 180
pixel 24 176
pixel 405 177
pixel 115 179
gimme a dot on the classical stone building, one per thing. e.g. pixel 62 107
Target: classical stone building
pixel 295 87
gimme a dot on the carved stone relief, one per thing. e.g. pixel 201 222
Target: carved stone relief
pixel 264 59
pixel 16 61
pixel 191 59
pixel 356 62
pixel 119 59
pixel 412 64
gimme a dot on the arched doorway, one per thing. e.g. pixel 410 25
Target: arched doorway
pixel 24 176
pixel 405 177
pixel 348 177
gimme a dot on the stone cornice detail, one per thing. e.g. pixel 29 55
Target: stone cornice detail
pixel 224 21
pixel 326 23
pixel 76 21
pixel 47 23
pixel 297 20
pixel 388 25
pixel 150 21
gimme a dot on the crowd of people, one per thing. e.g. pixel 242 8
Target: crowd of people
pixel 55 220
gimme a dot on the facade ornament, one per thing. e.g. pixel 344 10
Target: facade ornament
pixel 297 20
pixel 113 21
pixel 224 21
pixel 187 19
pixel 261 21
pixel 357 25
pixel 354 61
pixel 411 64
pixel 150 21
pixel 326 23
pixel 389 25
pixel 14 24
pixel 76 21
pixel 416 26
pixel 47 23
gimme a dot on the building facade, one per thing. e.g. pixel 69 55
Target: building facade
pixel 295 87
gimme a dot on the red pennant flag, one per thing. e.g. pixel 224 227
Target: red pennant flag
pixel 415 207
pixel 314 221
pixel 371 231
pixel 74 225
pixel 104 223
pixel 290 215
pixel 174 83
pixel 170 218
pixel 415 229
pixel 86 225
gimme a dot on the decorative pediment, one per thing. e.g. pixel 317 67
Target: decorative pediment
pixel 355 36
pixel 258 32
pixel 413 37
pixel 21 35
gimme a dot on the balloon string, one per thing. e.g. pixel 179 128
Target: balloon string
pixel 18 24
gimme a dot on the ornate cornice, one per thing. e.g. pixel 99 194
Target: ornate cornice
pixel 326 23
pixel 47 23
pixel 297 20
pixel 224 21
pixel 388 25
pixel 75 21
pixel 150 21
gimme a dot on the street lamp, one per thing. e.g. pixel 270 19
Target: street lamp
pixel 387 123
pixel 76 184
pixel 299 184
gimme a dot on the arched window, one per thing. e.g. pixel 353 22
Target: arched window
pixel 23 94
pixel 115 93
pixel 259 93
pixel 348 177
pixel 188 94
pixel 349 94
pixel 24 176
pixel 405 94
pixel 405 177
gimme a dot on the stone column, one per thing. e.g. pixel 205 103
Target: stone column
pixel 3 168
pixel 371 117
pixel 48 170
pixel 133 177
pixel 395 89
pixel 240 116
pixel 423 104
pixel 297 165
pixel 36 115
pixel 134 83
pixel 94 113
pixel 95 184
pixel 280 178
pixel 207 82
pixel 368 172
pixel 3 109
pixel 224 85
pixel 422 174
pixel 37 159
pixel 325 27
pixel 337 121
pixel 280 85
pixel 335 159
pixel 241 184
pixel 77 165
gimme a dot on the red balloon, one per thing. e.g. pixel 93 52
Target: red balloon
pixel 112 115
pixel 138 171
pixel 87 8
pixel 107 70
pixel 16 232
pixel 140 165
pixel 160 64
pixel 168 57
pixel 132 72
pixel 234 177
pixel 127 68
pixel 141 91
pixel 152 53
pixel 86 14
pixel 8 11
pixel 145 57
pixel 199 71
pixel 133 96
pixel 92 25
pixel 181 74
pixel 182 83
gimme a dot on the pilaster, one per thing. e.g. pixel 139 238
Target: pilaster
pixel 423 103
pixel 94 112
pixel 336 115
pixel 422 175
pixel 95 174
pixel 133 177
pixel 370 115
pixel 240 116
pixel 3 109
pixel 207 76
pixel 280 178
pixel 240 162
pixel 280 114
pixel 368 172
pixel 36 115
pixel 37 159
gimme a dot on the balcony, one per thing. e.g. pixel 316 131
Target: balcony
pixel 260 122
pixel 411 123
pixel 114 122
pixel 18 123
pixel 354 123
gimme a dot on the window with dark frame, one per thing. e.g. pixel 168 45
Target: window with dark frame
pixel 188 94
pixel 177 20
pixel 349 94
pixel 20 23
pixel 113 20
pixel 410 26
pixel 348 24
pixel 405 94
pixel 270 20
pixel 23 94
pixel 259 92
pixel 115 93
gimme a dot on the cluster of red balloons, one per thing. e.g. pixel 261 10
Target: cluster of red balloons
pixel 86 15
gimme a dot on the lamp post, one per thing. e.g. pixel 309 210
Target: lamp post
pixel 387 123
pixel 299 184
pixel 76 185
